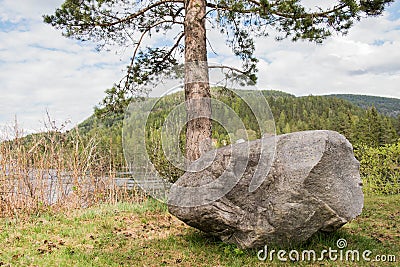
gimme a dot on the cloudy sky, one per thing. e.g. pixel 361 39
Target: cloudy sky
pixel 41 71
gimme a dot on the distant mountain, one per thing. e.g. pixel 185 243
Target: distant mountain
pixel 341 113
pixel 387 106
pixel 276 94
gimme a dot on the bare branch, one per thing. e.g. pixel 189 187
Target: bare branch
pixel 229 68
pixel 212 49
pixel 307 15
pixel 139 13
pixel 228 8
pixel 280 14
pixel 175 46
pixel 140 41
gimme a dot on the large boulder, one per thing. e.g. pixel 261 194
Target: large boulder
pixel 311 184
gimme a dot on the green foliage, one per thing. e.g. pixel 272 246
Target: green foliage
pixel 364 128
pixel 380 168
pixel 387 106
pixel 397 124
pixel 374 129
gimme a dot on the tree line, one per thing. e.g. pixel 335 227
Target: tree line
pixel 366 129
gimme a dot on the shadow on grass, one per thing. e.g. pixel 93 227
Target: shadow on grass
pixel 197 248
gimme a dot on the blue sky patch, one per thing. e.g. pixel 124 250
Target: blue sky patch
pixel 378 42
pixel 51 49
pixel 394 11
pixel 9 26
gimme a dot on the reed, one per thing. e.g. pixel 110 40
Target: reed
pixel 56 170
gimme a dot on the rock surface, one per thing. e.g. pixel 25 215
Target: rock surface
pixel 312 184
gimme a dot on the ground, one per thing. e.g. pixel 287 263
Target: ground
pixel 145 234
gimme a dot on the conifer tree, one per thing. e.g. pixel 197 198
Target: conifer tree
pixel 128 22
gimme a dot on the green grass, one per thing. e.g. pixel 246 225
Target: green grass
pixel 146 235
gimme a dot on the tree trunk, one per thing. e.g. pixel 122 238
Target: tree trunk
pixel 197 87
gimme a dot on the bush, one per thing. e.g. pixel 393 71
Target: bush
pixel 380 168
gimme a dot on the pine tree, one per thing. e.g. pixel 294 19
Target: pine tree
pixel 127 22
pixel 398 125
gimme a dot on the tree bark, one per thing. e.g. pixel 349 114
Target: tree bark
pixel 197 87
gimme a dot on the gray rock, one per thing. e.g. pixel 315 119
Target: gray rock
pixel 312 184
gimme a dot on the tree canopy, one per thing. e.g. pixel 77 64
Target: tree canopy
pixel 128 23
pixel 183 24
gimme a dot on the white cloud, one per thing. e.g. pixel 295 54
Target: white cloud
pixel 363 62
pixel 40 69
pixel 16 10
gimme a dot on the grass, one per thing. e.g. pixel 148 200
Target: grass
pixel 145 234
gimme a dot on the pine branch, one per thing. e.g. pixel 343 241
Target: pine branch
pixel 139 13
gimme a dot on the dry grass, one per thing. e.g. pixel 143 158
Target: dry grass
pixel 56 171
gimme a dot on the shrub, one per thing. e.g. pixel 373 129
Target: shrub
pixel 380 168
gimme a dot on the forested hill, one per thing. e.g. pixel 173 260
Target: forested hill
pixel 359 125
pixel 385 105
